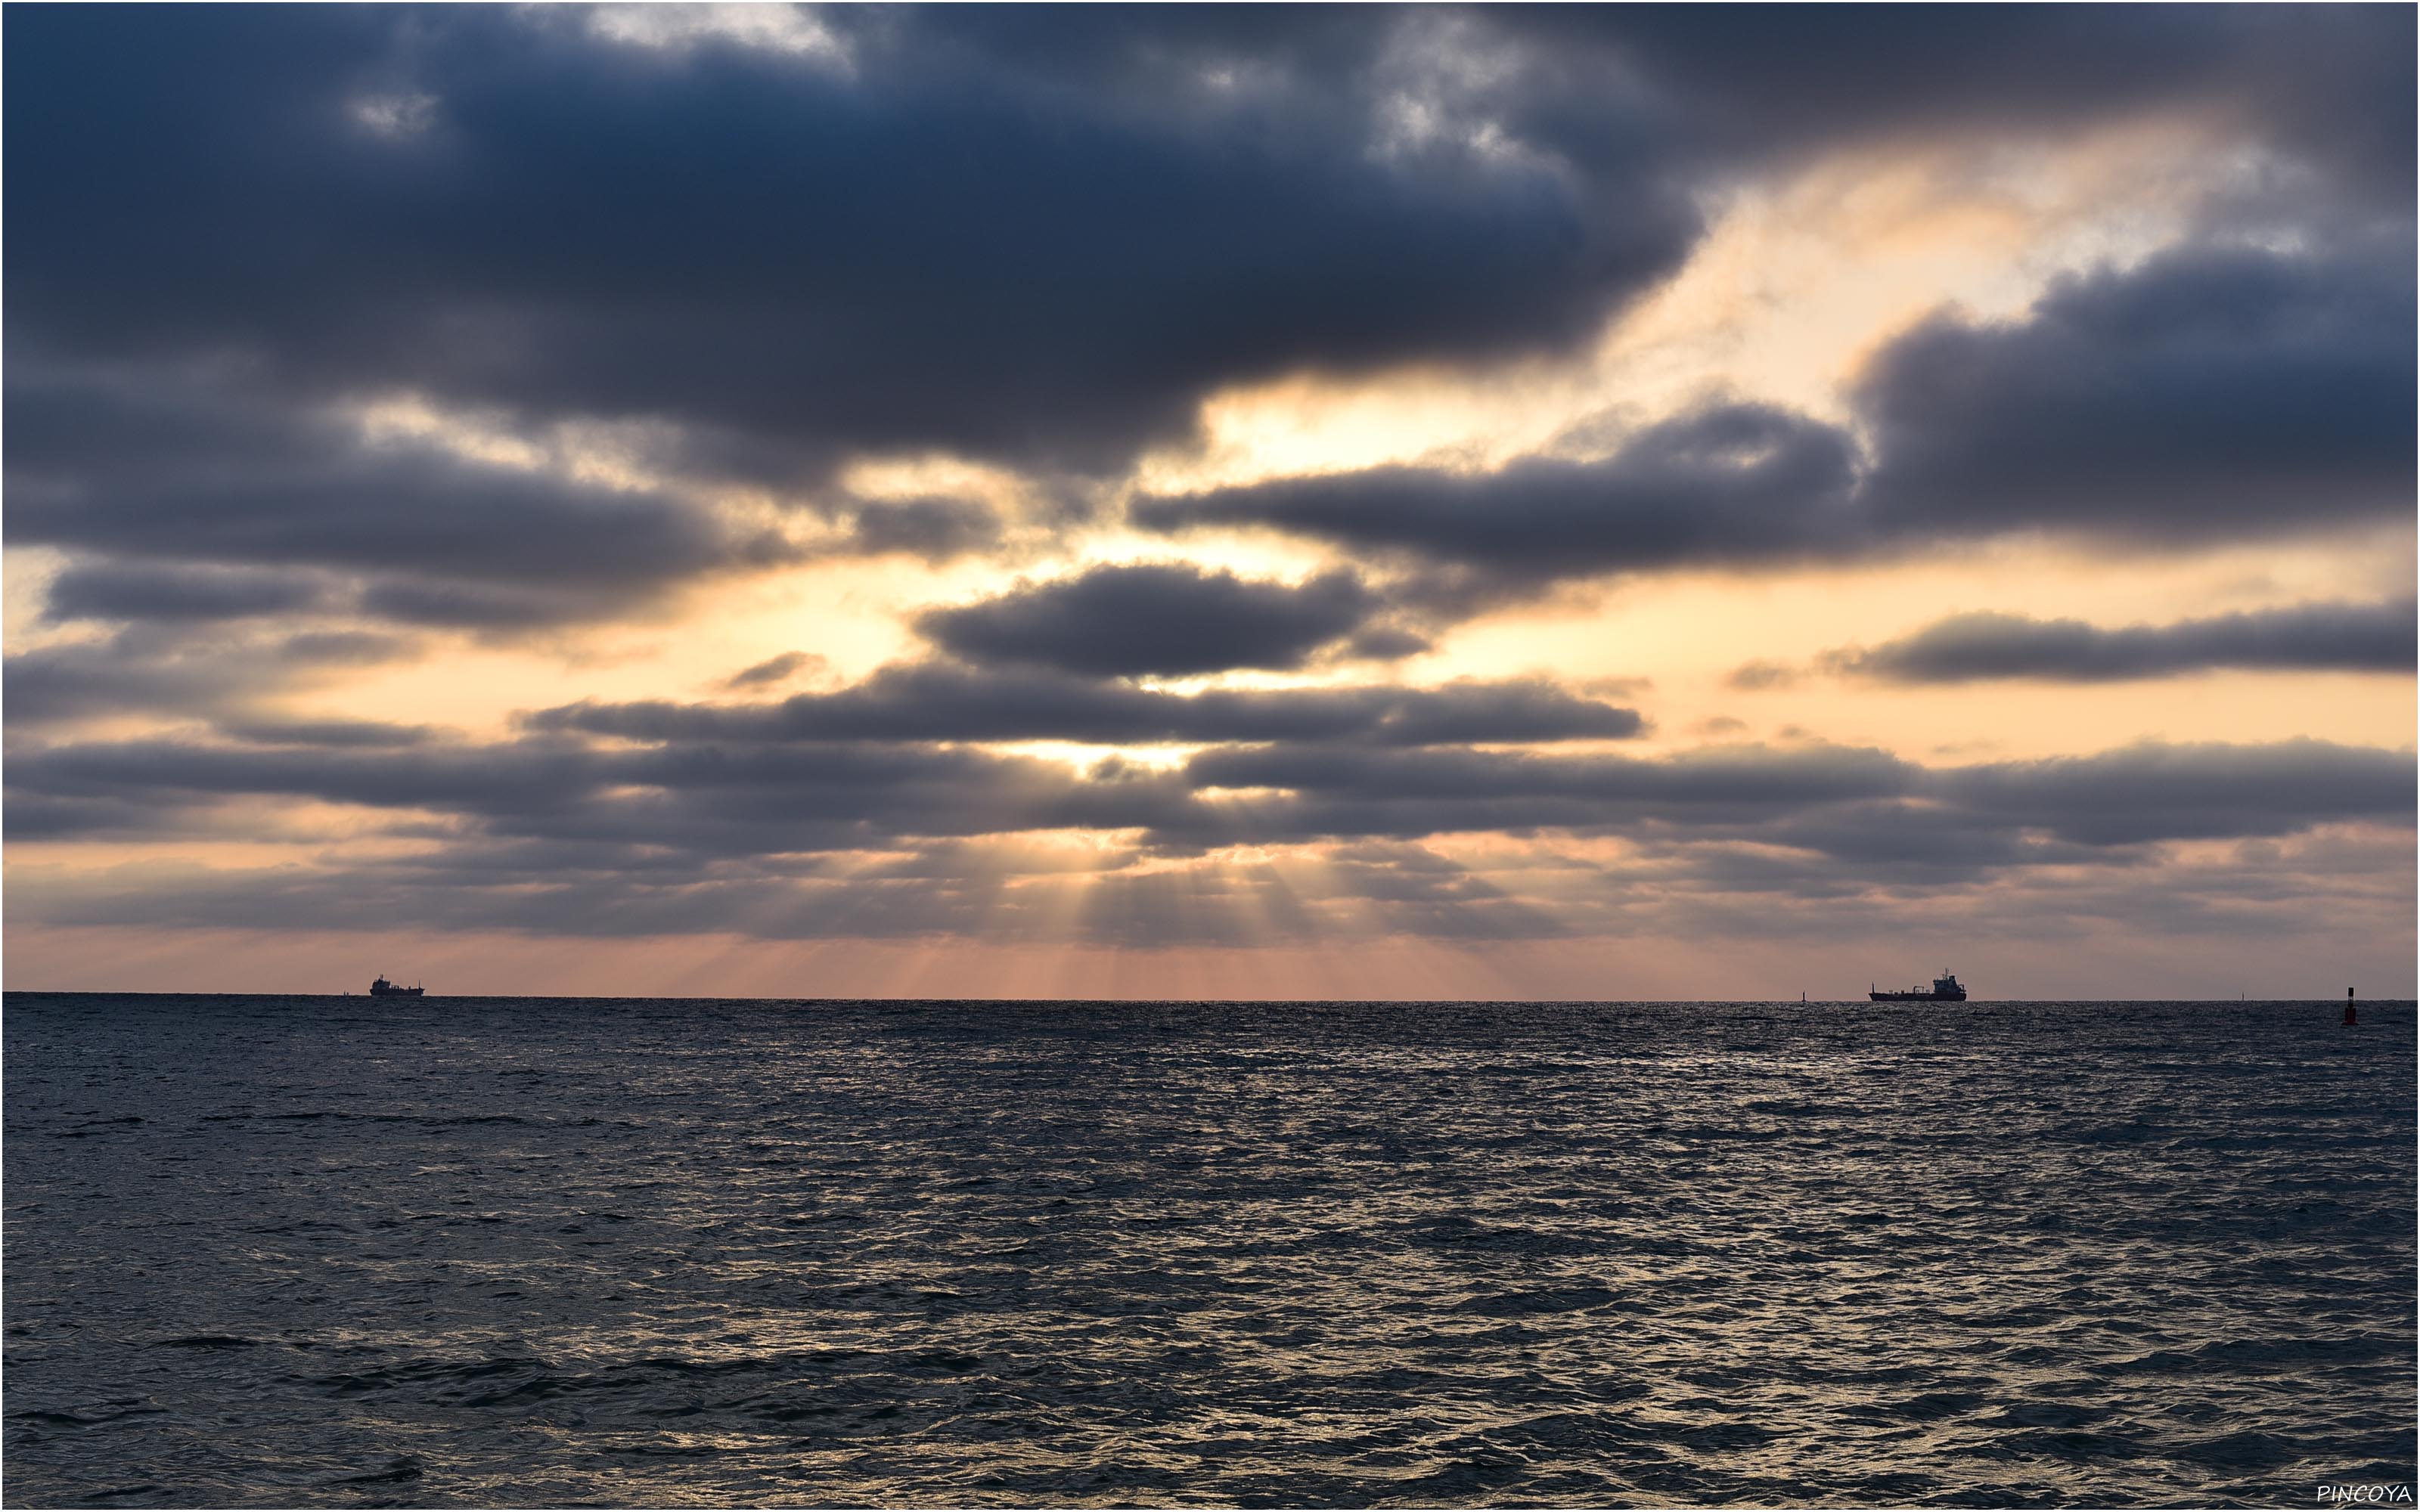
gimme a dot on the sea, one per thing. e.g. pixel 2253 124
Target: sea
pixel 343 1252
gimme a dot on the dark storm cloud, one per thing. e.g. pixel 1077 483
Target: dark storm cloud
pixel 137 802
pixel 1170 619
pixel 621 902
pixel 490 608
pixel 938 246
pixel 2374 638
pixel 2158 792
pixel 1352 792
pixel 1040 234
pixel 124 591
pixel 760 800
pixel 709 797
pixel 2137 794
pixel 527 780
pixel 1898 842
pixel 2210 393
pixel 702 800
pixel 1045 238
pixel 940 701
pixel 555 889
pixel 934 529
pixel 343 734
pixel 1735 483
pixel 562 888
pixel 710 835
pixel 2332 85
pixel 166 478
pixel 146 670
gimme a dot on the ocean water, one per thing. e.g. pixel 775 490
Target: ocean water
pixel 330 1252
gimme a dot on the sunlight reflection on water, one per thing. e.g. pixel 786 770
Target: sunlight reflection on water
pixel 531 1251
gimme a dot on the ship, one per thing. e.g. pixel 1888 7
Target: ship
pixel 1945 989
pixel 383 988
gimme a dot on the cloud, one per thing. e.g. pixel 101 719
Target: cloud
pixel 1732 482
pixel 2161 791
pixel 2373 637
pixel 695 793
pixel 938 701
pixel 213 508
pixel 2212 393
pixel 1072 270
pixel 774 669
pixel 760 247
pixel 146 670
pixel 129 591
pixel 934 529
pixel 947 891
pixel 1354 792
pixel 2330 88
pixel 1893 842
pixel 1166 619
pixel 2135 795
pixel 343 734
pixel 701 800
pixel 782 29
pixel 704 835
pixel 1759 676
pixel 1113 216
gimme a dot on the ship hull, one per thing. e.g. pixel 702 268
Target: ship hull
pixel 394 992
pixel 1918 997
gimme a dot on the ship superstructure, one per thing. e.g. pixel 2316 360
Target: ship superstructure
pixel 1945 989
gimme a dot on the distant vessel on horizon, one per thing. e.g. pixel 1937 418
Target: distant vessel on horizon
pixel 383 988
pixel 1945 989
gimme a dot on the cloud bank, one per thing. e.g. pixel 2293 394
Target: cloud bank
pixel 1964 648
pixel 356 352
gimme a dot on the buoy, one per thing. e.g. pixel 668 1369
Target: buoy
pixel 2349 1014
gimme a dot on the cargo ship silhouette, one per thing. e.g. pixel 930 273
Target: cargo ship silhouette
pixel 383 988
pixel 1945 989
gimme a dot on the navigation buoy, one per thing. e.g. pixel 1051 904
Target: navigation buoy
pixel 2349 1014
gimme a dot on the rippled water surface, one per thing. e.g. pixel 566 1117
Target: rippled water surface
pixel 310 1251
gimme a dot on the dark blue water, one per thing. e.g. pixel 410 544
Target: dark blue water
pixel 317 1251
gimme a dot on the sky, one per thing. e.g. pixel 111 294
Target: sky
pixel 1284 501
